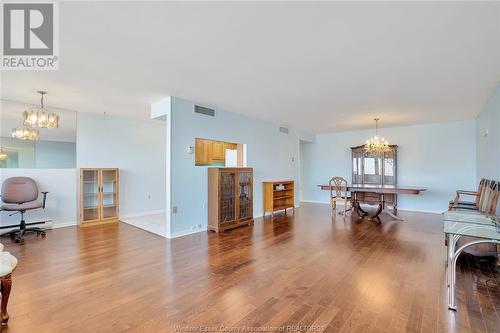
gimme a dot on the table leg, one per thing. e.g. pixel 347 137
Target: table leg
pixel 451 252
pixel 379 210
pixel 6 285
pixel 363 213
pixel 452 264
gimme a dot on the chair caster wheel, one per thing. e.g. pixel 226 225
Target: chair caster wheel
pixel 18 239
pixel 43 234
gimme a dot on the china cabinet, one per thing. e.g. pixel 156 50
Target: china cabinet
pixel 230 198
pixel 374 169
pixel 99 196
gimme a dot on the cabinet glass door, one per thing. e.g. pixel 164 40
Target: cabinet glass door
pixel 227 211
pixel 372 169
pixel 357 173
pixel 245 194
pixel 109 194
pixel 90 194
pixel 389 168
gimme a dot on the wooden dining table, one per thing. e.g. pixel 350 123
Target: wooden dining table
pixel 381 190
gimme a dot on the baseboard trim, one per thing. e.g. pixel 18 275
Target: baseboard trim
pixel 152 212
pixel 421 210
pixel 185 233
pixel 399 208
pixel 316 201
pixel 63 225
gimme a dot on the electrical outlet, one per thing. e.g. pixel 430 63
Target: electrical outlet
pixel 203 205
pixel 174 210
pixel 149 196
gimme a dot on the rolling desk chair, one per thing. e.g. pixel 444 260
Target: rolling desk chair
pixel 20 194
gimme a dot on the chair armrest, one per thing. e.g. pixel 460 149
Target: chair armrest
pixel 468 192
pixel 44 199
pixel 464 192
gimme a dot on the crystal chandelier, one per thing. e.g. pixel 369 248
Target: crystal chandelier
pixel 3 155
pixel 41 117
pixel 25 133
pixel 376 145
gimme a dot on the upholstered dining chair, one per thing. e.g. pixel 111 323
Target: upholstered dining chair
pixel 7 265
pixel 19 195
pixel 338 193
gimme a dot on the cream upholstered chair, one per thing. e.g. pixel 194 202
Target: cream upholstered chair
pixel 338 193
pixel 7 265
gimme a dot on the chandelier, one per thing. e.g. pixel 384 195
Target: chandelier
pixel 25 133
pixel 3 155
pixel 41 117
pixel 376 145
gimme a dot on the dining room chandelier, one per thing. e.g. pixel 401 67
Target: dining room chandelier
pixel 25 132
pixel 41 117
pixel 376 145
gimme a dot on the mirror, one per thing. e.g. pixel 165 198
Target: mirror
pixel 55 148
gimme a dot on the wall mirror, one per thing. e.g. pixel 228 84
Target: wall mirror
pixel 54 148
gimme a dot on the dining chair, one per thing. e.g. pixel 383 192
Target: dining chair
pixel 338 193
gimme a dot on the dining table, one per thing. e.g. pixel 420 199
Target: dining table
pixel 381 191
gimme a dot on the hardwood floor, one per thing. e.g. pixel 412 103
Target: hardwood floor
pixel 342 275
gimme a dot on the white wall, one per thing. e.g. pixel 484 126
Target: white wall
pixel 488 137
pixel 440 157
pixel 269 152
pixel 61 201
pixel 137 148
pixel 55 154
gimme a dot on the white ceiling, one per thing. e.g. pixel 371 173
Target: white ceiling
pixel 318 67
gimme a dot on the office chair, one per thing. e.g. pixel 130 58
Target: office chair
pixel 20 194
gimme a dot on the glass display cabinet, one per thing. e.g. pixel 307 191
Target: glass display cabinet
pixel 230 198
pixel 99 196
pixel 374 169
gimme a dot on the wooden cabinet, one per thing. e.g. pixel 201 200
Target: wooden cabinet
pixel 203 151
pixel 279 196
pixel 99 196
pixel 218 151
pixel 373 169
pixel 230 198
pixel 209 152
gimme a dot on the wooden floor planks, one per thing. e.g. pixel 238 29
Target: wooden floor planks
pixel 344 274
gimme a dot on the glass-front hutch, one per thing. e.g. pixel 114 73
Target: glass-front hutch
pixel 374 169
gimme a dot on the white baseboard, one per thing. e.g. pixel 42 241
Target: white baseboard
pixel 140 214
pixel 317 201
pixel 63 224
pixel 399 208
pixel 185 233
pixel 421 210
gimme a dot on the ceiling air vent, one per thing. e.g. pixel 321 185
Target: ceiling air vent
pixel 284 130
pixel 204 111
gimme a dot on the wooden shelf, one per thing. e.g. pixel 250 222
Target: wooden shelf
pixel 276 208
pixel 283 197
pixel 278 199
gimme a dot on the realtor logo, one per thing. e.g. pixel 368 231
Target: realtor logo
pixel 30 32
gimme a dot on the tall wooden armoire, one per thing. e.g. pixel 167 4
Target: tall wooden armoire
pixel 373 169
pixel 230 198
